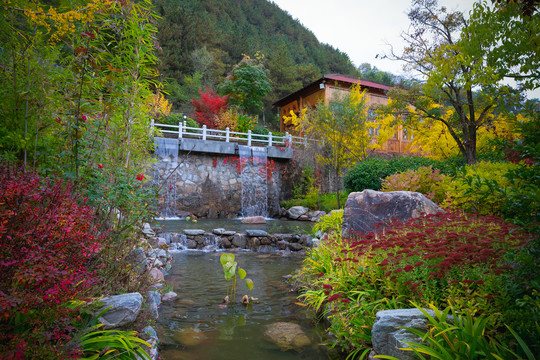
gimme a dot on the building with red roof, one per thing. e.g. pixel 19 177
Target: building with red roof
pixel 328 87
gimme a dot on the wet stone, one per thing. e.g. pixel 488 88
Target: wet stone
pixel 193 232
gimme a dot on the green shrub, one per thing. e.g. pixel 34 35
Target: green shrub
pixel 479 188
pixel 330 222
pixel 440 259
pixel 369 174
pixel 425 180
pixel 314 200
pixel 462 337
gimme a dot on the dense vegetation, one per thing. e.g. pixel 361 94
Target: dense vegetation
pixel 202 40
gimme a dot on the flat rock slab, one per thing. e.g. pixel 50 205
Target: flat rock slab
pixel 365 209
pixel 258 233
pixel 194 232
pixel 218 231
pixel 228 233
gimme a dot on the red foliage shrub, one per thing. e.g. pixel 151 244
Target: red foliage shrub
pixel 439 254
pixel 208 107
pixel 47 243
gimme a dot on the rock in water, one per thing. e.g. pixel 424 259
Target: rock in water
pixel 254 220
pixel 365 209
pixel 287 336
pixel 190 337
pixel 296 211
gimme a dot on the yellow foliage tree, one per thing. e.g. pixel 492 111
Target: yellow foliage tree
pixel 435 140
pixel 343 126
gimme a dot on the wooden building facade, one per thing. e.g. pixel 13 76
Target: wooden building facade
pixel 327 88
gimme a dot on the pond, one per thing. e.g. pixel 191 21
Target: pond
pixel 198 326
pixel 272 226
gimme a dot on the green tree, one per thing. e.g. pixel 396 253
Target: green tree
pixel 509 32
pixel 461 87
pixel 246 84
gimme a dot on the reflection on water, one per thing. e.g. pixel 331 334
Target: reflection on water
pixel 197 326
pixel 271 226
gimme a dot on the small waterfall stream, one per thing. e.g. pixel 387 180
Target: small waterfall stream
pixel 166 151
pixel 254 180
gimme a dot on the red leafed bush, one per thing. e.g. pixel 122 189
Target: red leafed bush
pixel 48 239
pixel 208 107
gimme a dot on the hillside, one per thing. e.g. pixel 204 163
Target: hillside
pixel 203 39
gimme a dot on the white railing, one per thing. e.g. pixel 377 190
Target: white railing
pixel 185 132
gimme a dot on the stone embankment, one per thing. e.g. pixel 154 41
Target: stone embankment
pixel 254 240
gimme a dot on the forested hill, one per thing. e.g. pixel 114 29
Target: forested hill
pixel 203 39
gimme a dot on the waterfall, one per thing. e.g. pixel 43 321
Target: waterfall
pixel 166 151
pixel 254 180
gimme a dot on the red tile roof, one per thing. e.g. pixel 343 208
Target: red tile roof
pixel 356 81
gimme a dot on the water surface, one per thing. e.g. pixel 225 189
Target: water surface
pixel 232 332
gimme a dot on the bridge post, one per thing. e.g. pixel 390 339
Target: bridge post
pixel 305 140
pixel 204 132
pixel 151 126
pixel 180 130
pixel 227 134
pixel 270 138
pixel 249 138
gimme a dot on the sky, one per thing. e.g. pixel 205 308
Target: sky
pixel 363 28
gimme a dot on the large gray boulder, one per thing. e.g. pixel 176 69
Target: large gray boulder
pixel 296 211
pixel 123 310
pixel 365 209
pixel 387 338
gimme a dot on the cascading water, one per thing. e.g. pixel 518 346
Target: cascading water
pixel 254 180
pixel 165 177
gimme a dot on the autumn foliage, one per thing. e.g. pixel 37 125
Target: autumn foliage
pixel 208 107
pixel 48 241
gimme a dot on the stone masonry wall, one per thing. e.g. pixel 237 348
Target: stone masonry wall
pixel 207 185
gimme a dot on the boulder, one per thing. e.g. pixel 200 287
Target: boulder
pixel 157 275
pixel 137 259
pixel 150 336
pixel 239 241
pixel 387 338
pixel 169 296
pixel 365 209
pixel 229 233
pixel 254 220
pixel 296 211
pixel 218 231
pixel 317 215
pixel 158 254
pixel 148 231
pixel 304 218
pixel 153 300
pixel 258 233
pixel 287 336
pixel 295 246
pixel 123 310
pixel 265 249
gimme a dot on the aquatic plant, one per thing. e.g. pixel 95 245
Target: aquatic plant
pixel 229 271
